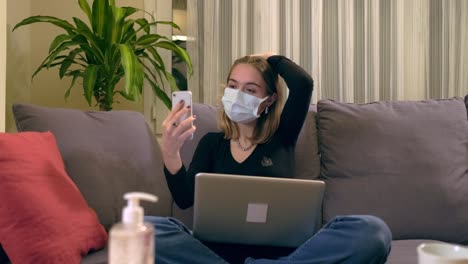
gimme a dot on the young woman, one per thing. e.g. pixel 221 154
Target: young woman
pixel 254 126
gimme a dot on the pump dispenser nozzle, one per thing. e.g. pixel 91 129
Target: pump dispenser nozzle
pixel 132 240
pixel 133 212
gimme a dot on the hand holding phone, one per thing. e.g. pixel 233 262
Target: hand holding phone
pixel 185 96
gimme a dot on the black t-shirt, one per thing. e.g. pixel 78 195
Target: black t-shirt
pixel 274 158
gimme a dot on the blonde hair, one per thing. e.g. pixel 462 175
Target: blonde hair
pixel 267 124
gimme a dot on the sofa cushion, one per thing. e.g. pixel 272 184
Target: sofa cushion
pixel 106 154
pixel 406 162
pixel 45 219
pixel 307 151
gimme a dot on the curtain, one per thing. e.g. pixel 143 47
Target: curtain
pixel 356 50
pixel 448 48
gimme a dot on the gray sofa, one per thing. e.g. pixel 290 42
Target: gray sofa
pixel 406 162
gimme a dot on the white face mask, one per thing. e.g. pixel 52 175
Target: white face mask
pixel 241 107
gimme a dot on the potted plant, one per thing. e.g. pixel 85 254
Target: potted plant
pixel 111 46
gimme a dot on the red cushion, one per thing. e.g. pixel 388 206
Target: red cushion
pixel 44 217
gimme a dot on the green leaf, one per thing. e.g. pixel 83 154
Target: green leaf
pixel 100 11
pixel 143 24
pixel 58 61
pixel 157 63
pixel 44 64
pixel 171 80
pixel 82 26
pixel 109 24
pixel 75 74
pixel 160 93
pixel 58 40
pixel 180 52
pixel 148 39
pixel 89 82
pixel 46 19
pixel 170 23
pixel 41 66
pixel 128 32
pixel 117 25
pixel 129 11
pixel 85 7
pixel 151 71
pixel 142 27
pixel 158 69
pixel 63 46
pixel 64 68
pixel 88 35
pixel 126 96
pixel 92 55
pixel 133 69
pixel 156 56
pixel 68 62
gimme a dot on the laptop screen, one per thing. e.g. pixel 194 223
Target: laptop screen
pixel 256 210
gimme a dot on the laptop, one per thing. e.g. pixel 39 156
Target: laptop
pixel 256 210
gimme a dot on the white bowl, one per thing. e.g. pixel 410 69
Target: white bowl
pixel 442 253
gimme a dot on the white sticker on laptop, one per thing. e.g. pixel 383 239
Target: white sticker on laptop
pixel 257 212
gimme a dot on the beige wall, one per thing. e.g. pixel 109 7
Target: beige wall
pixel 28 46
pixel 3 22
pixel 18 69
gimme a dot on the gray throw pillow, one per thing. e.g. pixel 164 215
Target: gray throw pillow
pixel 106 154
pixel 404 161
pixel 307 151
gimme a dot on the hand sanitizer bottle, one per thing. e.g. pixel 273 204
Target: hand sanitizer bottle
pixel 132 240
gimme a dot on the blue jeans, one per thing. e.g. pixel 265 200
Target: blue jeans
pixel 345 239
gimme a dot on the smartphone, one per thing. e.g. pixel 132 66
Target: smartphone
pixel 186 96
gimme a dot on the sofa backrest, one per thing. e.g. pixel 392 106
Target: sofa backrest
pixel 307 155
pixel 406 162
pixel 106 154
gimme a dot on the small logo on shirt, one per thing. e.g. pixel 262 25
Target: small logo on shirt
pixel 266 162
